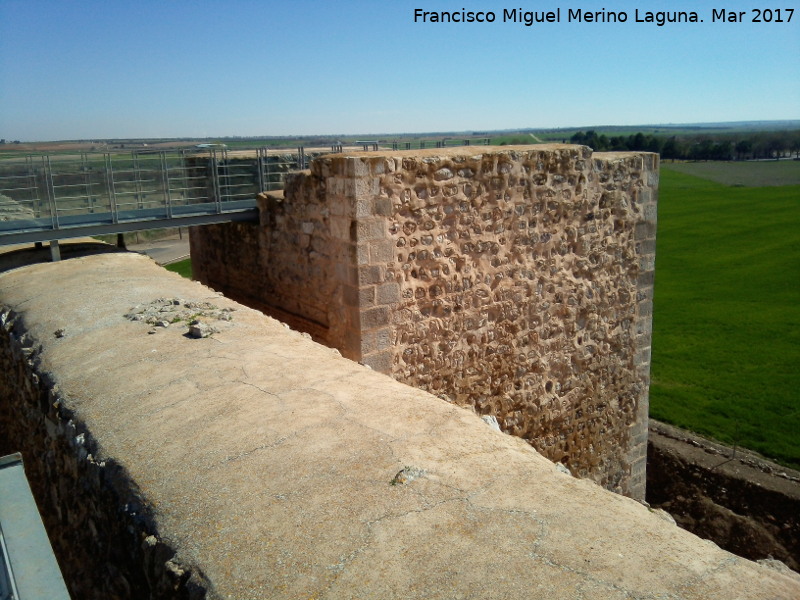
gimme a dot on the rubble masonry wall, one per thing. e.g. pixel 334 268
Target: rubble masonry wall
pixel 517 280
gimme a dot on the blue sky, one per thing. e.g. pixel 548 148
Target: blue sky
pixel 172 68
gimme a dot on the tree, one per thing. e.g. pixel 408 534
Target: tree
pixel 722 151
pixel 618 143
pixel 775 147
pixel 743 148
pixel 671 149
pixel 637 142
pixel 578 138
pixel 652 144
pixel 591 139
pixel 704 150
pixel 794 144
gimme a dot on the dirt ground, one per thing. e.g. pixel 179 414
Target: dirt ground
pixel 741 501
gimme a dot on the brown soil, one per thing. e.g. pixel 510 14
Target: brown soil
pixel 736 498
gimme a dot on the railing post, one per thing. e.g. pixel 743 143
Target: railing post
pixel 225 178
pixel 165 175
pixel 87 181
pixel 215 179
pixel 185 191
pixel 137 179
pixel 112 192
pixel 261 155
pixel 51 191
pixel 36 202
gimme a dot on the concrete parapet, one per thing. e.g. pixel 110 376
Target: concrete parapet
pixel 257 464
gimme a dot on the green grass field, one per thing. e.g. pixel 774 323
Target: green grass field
pixel 726 325
pixel 183 267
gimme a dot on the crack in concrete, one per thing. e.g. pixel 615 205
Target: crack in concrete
pixel 341 567
pixel 720 566
pixel 429 505
pixel 587 576
pixel 240 455
pixel 258 387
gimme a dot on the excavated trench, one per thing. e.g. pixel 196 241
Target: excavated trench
pixel 735 498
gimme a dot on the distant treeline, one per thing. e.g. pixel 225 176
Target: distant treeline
pixel 705 146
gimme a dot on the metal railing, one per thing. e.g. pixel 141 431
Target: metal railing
pixel 52 196
pixel 443 143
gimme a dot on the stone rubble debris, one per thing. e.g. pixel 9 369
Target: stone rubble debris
pixel 562 469
pixel 197 316
pixel 407 475
pixel 198 329
pixel 491 421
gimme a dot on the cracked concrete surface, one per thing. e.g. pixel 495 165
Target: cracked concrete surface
pixel 268 462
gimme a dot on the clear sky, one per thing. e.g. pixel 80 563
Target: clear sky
pixel 170 68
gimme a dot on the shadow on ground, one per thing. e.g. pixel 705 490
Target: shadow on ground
pixel 16 257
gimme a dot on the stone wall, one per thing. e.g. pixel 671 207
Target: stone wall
pixel 296 265
pixel 733 497
pixel 515 280
pixel 103 535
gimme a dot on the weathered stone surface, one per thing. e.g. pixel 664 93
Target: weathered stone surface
pixel 519 281
pixel 258 464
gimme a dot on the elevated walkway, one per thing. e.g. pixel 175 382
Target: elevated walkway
pixel 257 464
pixel 47 198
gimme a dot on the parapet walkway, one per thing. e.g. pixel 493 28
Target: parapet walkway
pixel 278 469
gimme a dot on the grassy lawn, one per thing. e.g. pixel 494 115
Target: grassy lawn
pixel 726 338
pixel 183 267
